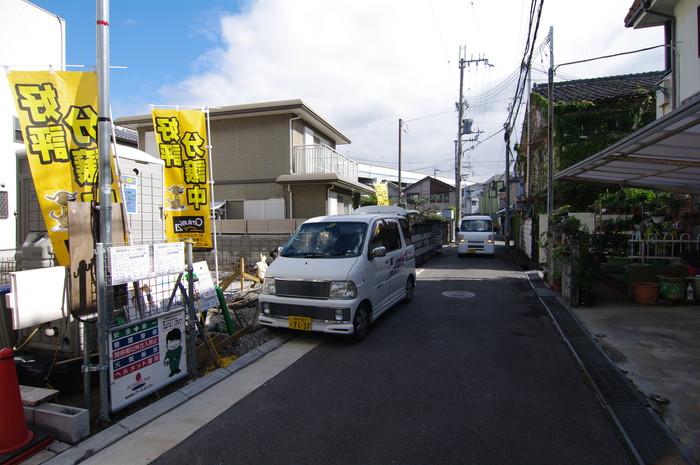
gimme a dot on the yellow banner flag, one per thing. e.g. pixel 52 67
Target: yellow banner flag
pixel 182 145
pixel 58 113
pixel 381 191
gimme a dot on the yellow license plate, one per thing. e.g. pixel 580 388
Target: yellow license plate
pixel 299 322
pixel 471 250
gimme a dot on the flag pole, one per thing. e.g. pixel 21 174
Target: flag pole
pixel 211 193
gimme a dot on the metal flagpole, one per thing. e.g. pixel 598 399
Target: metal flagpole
pixel 211 188
pixel 105 177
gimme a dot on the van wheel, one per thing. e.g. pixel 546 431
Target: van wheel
pixel 361 322
pixel 410 288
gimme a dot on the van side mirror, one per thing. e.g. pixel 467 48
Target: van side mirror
pixel 378 252
pixel 279 250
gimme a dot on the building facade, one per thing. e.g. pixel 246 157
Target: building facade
pixel 280 152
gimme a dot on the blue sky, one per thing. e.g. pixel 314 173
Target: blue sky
pixel 360 64
pixel 160 42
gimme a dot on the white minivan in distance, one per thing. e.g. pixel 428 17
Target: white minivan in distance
pixel 476 236
pixel 337 274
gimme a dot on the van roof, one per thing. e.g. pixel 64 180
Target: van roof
pixel 477 217
pixel 355 218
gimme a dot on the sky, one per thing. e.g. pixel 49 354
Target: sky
pixel 360 64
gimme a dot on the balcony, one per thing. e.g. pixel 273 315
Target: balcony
pixel 311 159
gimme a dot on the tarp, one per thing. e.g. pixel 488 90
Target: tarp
pixel 664 155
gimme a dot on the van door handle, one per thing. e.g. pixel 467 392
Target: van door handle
pixel 392 261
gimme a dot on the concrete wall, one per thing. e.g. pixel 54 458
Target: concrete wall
pixel 232 247
pixel 309 200
pixel 33 39
pixel 687 25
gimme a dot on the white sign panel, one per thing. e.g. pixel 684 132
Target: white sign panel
pixel 129 263
pixel 37 296
pixel 204 292
pixel 168 258
pixel 146 356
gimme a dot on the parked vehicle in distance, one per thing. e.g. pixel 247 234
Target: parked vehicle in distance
pixel 337 274
pixel 476 236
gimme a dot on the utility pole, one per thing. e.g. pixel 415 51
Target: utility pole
pixel 506 226
pixel 458 145
pixel 460 131
pixel 104 125
pixel 550 130
pixel 400 131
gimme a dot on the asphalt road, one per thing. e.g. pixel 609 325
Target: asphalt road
pixel 483 380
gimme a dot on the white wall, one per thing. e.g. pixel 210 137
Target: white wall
pixel 686 15
pixel 32 39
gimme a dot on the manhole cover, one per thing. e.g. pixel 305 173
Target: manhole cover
pixel 459 294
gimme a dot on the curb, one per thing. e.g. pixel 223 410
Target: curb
pixel 105 438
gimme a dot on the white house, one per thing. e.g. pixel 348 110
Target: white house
pixel 33 39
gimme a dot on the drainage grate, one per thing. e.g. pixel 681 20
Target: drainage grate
pixel 651 440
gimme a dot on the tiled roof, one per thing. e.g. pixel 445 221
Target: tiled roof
pixel 126 135
pixel 603 88
pixel 636 6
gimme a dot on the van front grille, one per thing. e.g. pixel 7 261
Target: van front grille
pixel 306 289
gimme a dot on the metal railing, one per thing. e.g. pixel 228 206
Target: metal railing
pixel 666 247
pixel 309 159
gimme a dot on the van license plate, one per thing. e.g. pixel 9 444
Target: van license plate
pixel 471 250
pixel 299 322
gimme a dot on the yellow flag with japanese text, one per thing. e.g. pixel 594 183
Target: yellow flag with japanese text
pixel 58 112
pixel 181 136
pixel 381 191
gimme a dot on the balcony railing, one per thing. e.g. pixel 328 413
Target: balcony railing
pixel 309 159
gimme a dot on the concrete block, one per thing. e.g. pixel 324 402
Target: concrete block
pixel 257 227
pixel 272 344
pixel 231 226
pixel 244 360
pixel 68 424
pixel 28 414
pixel 204 383
pixel 153 411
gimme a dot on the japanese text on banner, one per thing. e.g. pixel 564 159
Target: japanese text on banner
pixel 58 111
pixel 182 145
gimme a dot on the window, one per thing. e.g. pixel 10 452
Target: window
pixel 377 236
pixel 392 240
pixel 4 206
pixel 406 231
pixel 17 136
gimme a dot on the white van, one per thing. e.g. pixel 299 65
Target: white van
pixel 476 236
pixel 337 274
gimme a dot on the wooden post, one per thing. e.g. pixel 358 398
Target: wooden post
pixel 242 273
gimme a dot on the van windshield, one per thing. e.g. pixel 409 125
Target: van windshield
pixel 326 240
pixel 475 226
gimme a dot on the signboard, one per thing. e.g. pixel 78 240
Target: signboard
pixel 129 263
pixel 57 111
pixel 129 194
pixel 204 291
pixel 182 145
pixel 381 191
pixel 168 258
pixel 146 356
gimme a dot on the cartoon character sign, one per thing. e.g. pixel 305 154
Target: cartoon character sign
pixel 60 214
pixel 173 341
pixel 175 202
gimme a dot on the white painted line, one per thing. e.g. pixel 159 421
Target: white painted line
pixel 162 434
pixel 419 271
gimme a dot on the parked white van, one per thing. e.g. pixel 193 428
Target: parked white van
pixel 476 236
pixel 337 274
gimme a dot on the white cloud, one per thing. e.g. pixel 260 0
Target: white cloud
pixel 364 64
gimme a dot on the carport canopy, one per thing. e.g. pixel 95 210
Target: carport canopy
pixel 663 155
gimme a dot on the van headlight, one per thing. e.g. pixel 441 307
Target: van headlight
pixel 269 286
pixel 461 238
pixel 490 240
pixel 342 290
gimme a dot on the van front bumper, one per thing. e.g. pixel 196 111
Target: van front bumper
pixel 274 312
